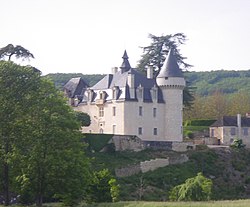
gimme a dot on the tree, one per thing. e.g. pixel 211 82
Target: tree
pixel 155 54
pixel 83 118
pixel 198 188
pixel 42 156
pixel 18 51
pixel 17 84
pixel 237 144
pixel 103 188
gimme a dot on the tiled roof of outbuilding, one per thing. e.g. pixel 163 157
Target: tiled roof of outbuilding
pixel 231 121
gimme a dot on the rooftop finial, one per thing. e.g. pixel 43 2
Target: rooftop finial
pixel 125 64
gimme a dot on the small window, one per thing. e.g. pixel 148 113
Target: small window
pixel 155 131
pixel 114 128
pixel 233 131
pixel 140 130
pixel 212 132
pixel 140 93
pixel 245 131
pixel 140 110
pixel 114 111
pixel 101 112
pixel 154 112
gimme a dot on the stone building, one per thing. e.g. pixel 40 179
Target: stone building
pixel 228 128
pixel 128 102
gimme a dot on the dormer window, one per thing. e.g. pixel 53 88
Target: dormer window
pixel 140 93
pixel 154 93
pixel 90 95
pixel 115 91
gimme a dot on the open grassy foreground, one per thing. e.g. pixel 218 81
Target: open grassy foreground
pixel 234 203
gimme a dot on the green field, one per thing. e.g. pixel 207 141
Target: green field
pixel 226 203
pixel 235 203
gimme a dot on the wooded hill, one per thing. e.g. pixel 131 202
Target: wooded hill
pixel 204 83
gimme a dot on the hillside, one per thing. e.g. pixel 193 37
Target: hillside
pixel 205 83
pixel 229 170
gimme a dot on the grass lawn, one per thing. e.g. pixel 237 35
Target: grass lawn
pixel 226 203
pixel 234 203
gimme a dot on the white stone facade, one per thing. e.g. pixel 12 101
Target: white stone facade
pixel 130 103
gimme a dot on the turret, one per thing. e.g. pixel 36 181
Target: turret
pixel 125 64
pixel 171 81
pixel 170 74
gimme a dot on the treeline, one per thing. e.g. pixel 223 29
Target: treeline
pixel 204 83
pixel 217 105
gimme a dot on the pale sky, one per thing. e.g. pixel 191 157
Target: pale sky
pixel 89 36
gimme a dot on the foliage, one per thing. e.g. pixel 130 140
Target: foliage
pixel 18 51
pixel 189 134
pixel 154 54
pixel 198 188
pixel 42 155
pixel 103 188
pixel 96 142
pixel 237 144
pixel 83 118
pixel 199 122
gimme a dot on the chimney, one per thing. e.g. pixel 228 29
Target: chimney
pixel 131 84
pixel 238 120
pixel 150 72
pixel 239 125
pixel 114 70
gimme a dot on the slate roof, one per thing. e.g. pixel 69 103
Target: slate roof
pixel 170 67
pixel 120 79
pixel 75 87
pixel 231 121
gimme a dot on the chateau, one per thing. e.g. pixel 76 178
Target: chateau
pixel 127 102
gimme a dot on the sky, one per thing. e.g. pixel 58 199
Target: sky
pixel 90 36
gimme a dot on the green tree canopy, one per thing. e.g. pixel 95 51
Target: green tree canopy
pixel 41 156
pixel 198 188
pixel 18 51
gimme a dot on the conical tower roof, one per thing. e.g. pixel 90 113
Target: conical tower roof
pixel 170 67
pixel 125 64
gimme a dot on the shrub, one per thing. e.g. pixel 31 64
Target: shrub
pixel 198 188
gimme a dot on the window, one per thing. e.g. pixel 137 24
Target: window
pixel 154 112
pixel 114 94
pixel 140 91
pixel 140 130
pixel 233 131
pixel 101 112
pixel 245 131
pixel 155 131
pixel 212 132
pixel 140 110
pixel 114 110
pixel 114 127
pixel 101 95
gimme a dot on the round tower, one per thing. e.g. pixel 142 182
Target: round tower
pixel 171 81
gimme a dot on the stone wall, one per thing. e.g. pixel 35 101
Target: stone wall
pixel 123 142
pixel 128 171
pixel 150 165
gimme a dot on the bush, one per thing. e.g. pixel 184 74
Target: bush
pixel 198 188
